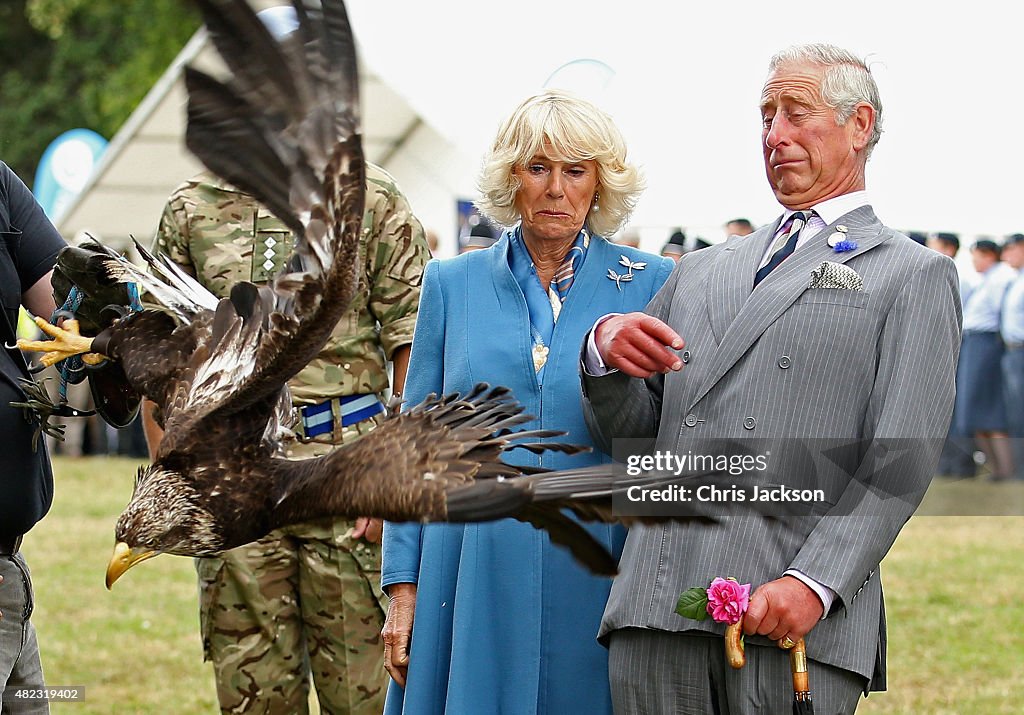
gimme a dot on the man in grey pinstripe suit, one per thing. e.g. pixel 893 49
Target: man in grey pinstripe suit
pixel 851 334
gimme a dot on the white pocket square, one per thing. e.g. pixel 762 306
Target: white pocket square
pixel 836 276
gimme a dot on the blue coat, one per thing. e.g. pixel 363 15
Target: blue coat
pixel 505 621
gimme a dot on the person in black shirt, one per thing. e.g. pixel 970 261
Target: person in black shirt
pixel 28 248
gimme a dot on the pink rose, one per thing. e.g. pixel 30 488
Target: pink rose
pixel 728 600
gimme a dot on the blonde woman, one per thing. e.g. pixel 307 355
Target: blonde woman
pixel 492 618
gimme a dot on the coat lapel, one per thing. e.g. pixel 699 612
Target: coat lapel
pixel 511 305
pixel 732 277
pixel 777 292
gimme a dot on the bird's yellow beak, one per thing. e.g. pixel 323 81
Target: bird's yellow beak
pixel 123 558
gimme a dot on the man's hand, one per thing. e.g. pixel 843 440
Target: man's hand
pixel 368 528
pixel 398 630
pixel 783 608
pixel 637 344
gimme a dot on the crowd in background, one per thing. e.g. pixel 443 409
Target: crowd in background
pixel 988 419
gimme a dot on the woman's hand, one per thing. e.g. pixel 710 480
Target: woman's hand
pixel 397 630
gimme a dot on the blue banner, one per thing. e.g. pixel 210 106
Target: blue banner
pixel 65 169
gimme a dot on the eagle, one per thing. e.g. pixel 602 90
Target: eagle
pixel 284 127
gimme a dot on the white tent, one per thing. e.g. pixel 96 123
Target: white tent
pixel 147 159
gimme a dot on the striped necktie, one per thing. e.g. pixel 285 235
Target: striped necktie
pixel 785 244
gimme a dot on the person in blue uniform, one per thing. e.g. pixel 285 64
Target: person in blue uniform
pixel 489 618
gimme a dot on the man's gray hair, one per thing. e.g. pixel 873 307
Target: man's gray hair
pixel 846 83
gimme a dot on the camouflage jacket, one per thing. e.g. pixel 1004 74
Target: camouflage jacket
pixel 222 236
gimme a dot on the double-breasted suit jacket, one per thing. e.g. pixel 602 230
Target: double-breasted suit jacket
pixel 789 362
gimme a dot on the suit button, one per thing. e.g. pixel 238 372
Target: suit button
pixel 691 420
pixel 784 362
pixel 749 423
pixel 685 356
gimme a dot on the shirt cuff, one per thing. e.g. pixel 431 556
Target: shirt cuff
pixel 826 594
pixel 592 362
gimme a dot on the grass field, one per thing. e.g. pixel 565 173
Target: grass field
pixel 136 648
pixel 953 586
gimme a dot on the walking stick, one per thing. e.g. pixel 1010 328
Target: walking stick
pixel 802 704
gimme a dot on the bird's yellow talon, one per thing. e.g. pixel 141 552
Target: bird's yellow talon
pixel 67 342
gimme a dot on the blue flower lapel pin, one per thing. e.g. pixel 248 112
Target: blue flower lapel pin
pixel 839 242
pixel 630 266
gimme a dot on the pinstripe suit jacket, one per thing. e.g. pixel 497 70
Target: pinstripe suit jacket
pixel 871 364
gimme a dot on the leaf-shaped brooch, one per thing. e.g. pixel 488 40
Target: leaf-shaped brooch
pixel 630 266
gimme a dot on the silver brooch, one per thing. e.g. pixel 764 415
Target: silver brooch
pixel 630 266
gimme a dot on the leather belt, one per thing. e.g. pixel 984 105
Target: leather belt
pixel 9 545
pixel 1013 345
pixel 348 410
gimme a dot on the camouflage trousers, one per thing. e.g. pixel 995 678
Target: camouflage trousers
pixel 302 601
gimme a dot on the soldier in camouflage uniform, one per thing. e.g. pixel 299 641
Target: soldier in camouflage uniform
pixel 305 598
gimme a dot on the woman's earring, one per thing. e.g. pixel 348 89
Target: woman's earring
pixel 597 196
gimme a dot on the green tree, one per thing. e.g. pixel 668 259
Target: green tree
pixel 25 56
pixel 80 63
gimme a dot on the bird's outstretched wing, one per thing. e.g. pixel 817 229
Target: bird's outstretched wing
pixel 408 468
pixel 283 127
pixel 399 467
pixel 442 461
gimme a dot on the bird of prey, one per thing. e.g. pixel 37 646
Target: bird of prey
pixel 284 127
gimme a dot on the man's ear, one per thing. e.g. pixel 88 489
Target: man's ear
pixel 863 124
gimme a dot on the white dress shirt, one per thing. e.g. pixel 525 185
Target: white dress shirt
pixel 825 213
pixel 1012 325
pixel 983 311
